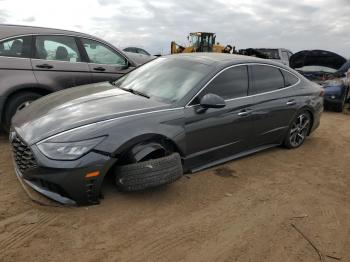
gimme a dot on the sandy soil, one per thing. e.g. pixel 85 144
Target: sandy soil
pixel 240 211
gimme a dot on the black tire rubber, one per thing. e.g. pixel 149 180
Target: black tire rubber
pixel 12 105
pixel 287 143
pixel 147 174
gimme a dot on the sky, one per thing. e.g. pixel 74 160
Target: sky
pixel 292 24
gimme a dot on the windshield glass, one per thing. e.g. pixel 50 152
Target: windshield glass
pixel 195 40
pixel 166 79
pixel 270 53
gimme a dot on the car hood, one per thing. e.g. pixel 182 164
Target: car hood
pixel 78 106
pixel 316 58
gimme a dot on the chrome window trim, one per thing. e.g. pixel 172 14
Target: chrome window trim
pixel 13 57
pixel 50 60
pixel 248 96
pixel 106 121
pixel 70 35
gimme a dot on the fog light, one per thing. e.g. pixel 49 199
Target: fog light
pixel 333 97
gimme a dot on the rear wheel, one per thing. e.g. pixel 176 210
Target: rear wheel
pixel 298 130
pixel 17 103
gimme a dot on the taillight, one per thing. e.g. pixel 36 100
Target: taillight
pixel 321 93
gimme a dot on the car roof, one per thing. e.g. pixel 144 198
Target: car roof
pixel 7 31
pixel 222 59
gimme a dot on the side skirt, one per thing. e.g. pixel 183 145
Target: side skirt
pixel 226 159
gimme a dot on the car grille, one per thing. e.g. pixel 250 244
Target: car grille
pixel 22 154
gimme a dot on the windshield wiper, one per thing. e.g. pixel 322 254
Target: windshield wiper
pixel 135 92
pixel 138 92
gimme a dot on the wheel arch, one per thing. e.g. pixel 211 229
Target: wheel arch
pixel 18 90
pixel 141 146
pixel 13 92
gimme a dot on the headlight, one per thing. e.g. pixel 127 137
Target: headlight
pixel 68 150
pixel 333 82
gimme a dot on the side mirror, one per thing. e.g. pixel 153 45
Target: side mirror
pixel 212 101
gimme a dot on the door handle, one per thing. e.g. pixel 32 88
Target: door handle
pixel 46 66
pixel 244 113
pixel 291 103
pixel 100 68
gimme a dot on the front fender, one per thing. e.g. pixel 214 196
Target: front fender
pixel 143 149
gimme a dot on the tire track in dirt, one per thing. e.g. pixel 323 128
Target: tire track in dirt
pixel 18 229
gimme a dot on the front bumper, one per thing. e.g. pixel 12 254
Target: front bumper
pixel 332 100
pixel 65 181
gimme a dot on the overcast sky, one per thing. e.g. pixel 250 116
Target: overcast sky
pixel 292 24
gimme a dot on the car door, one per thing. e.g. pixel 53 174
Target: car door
pixel 15 66
pixel 105 63
pixel 57 62
pixel 275 103
pixel 213 134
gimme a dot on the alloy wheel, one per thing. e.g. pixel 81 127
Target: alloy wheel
pixel 299 130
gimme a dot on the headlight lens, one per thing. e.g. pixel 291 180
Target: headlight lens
pixel 333 82
pixel 68 150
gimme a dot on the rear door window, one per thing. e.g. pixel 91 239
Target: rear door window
pixel 289 79
pixel 59 48
pixel 231 83
pixel 16 47
pixel 266 79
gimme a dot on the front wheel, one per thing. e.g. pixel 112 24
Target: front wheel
pixel 150 173
pixel 298 130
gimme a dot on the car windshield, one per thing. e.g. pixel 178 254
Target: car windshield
pixel 323 69
pixel 270 53
pixel 166 79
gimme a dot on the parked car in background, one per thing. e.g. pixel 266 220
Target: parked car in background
pixel 281 55
pixel 138 54
pixel 327 69
pixel 36 61
pixel 136 50
pixel 185 111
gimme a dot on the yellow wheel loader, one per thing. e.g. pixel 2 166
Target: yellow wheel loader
pixel 200 42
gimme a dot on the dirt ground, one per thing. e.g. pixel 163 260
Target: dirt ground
pixel 240 211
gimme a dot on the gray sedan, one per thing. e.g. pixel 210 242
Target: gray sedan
pixel 181 112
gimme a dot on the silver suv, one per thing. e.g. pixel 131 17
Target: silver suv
pixel 281 55
pixel 36 61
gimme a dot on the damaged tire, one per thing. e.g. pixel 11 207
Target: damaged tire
pixel 151 173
